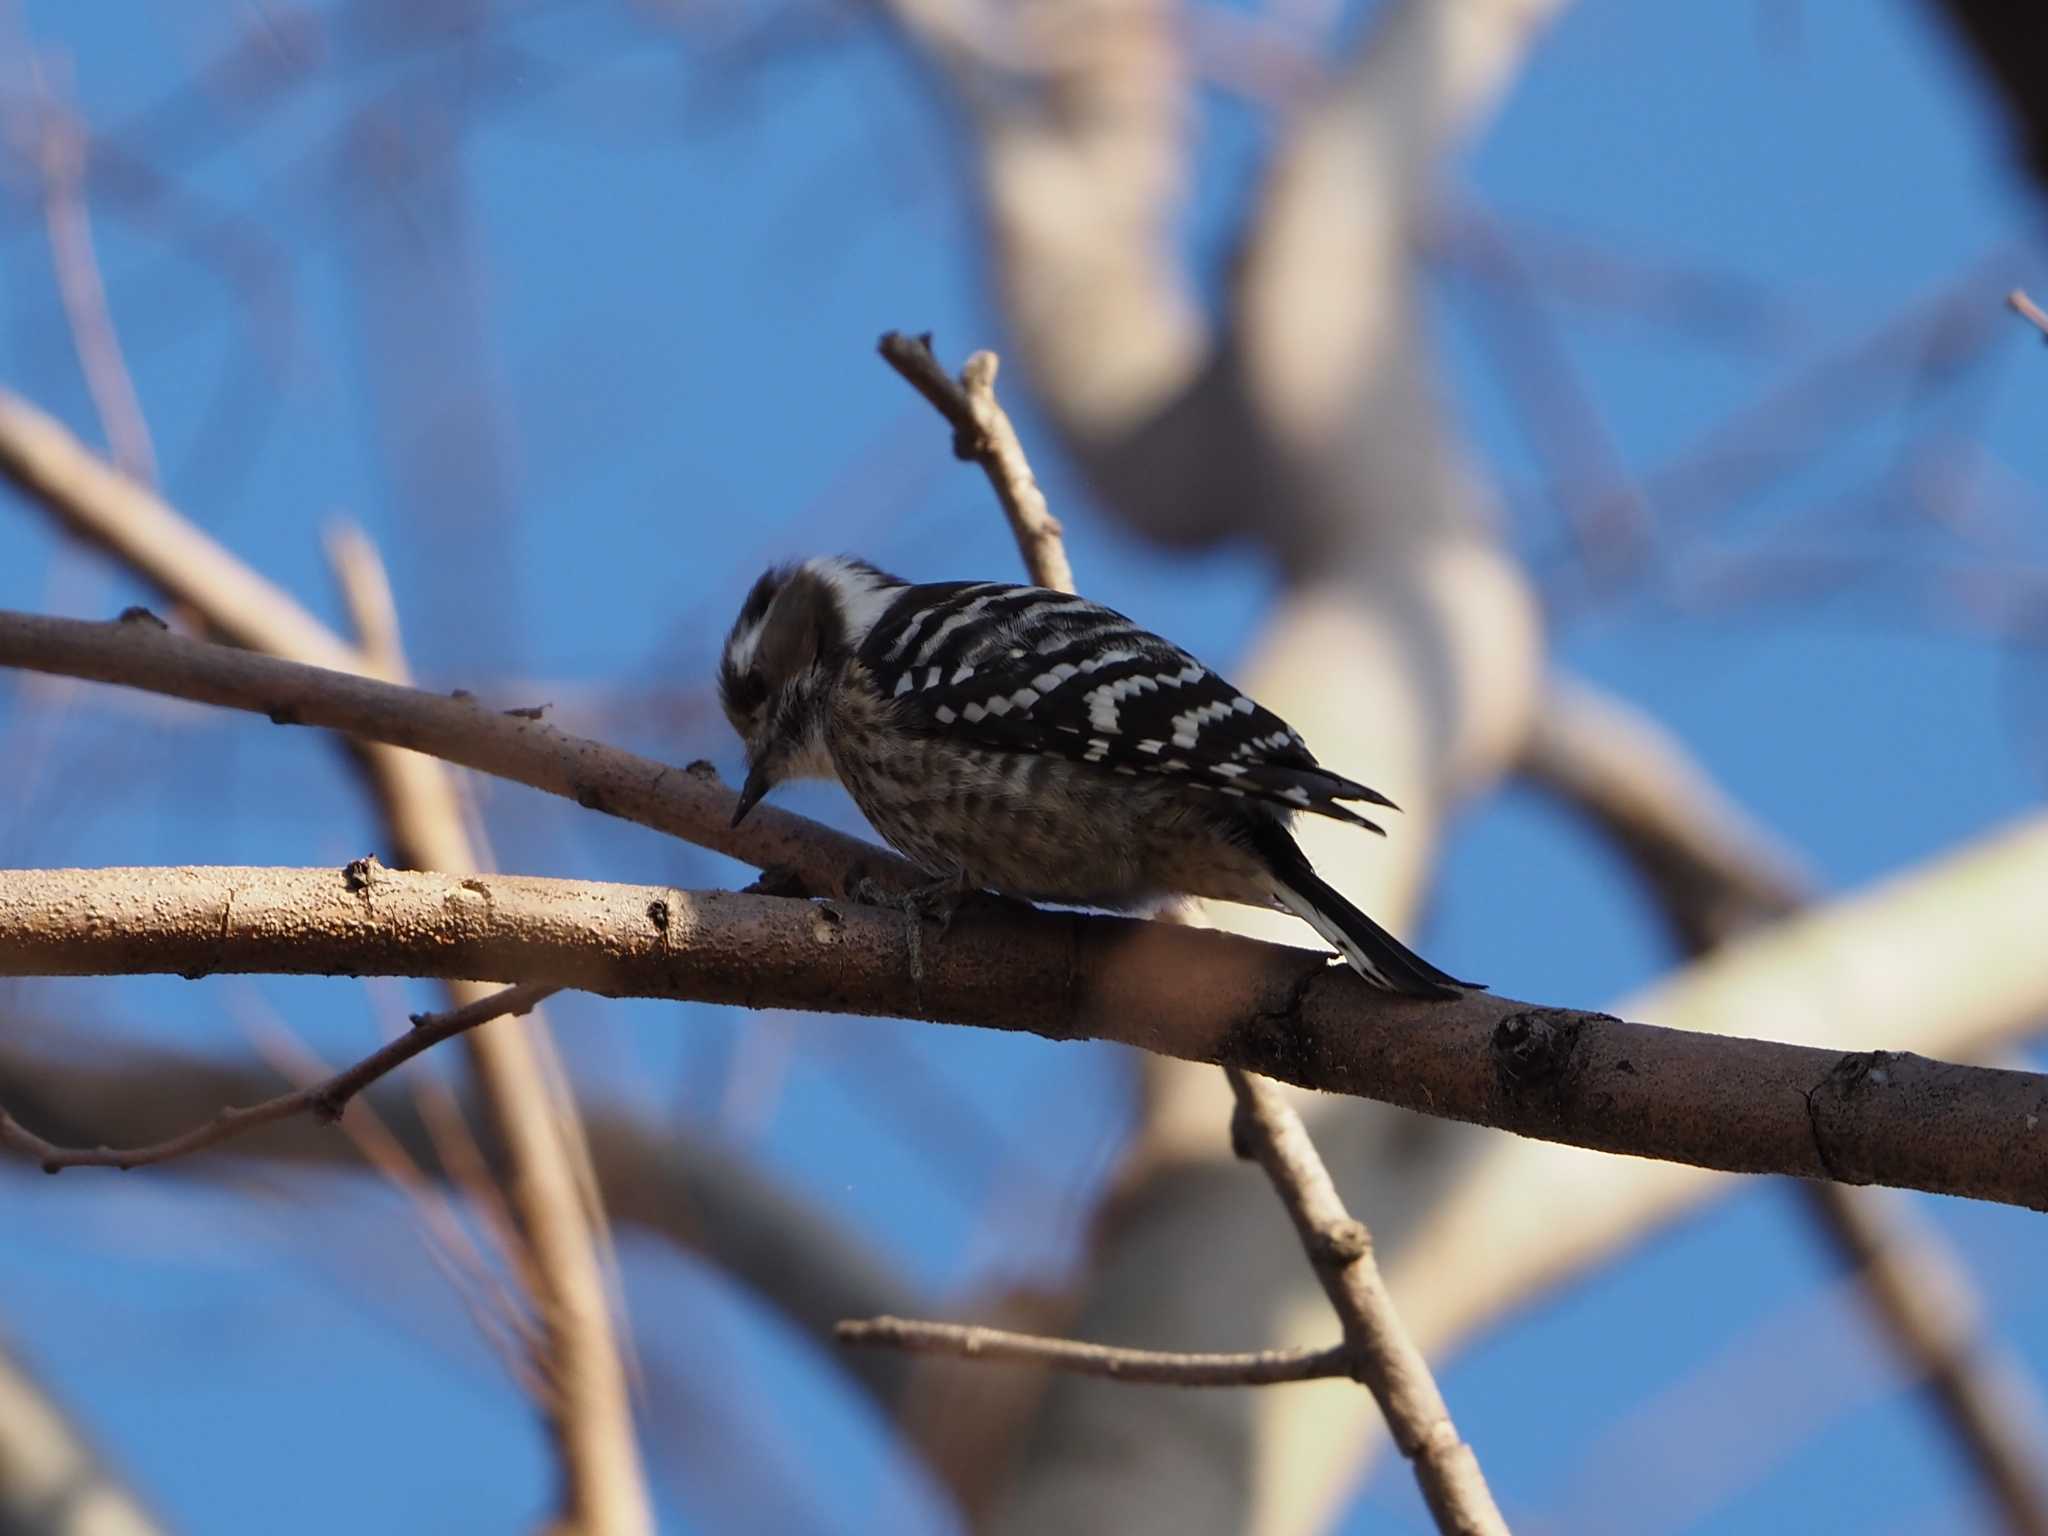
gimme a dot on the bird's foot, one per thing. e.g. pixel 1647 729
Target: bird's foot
pixel 937 903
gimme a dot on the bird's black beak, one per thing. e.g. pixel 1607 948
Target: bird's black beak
pixel 751 792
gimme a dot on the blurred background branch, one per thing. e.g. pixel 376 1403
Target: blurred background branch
pixel 52 1480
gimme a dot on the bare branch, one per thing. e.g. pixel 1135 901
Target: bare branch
pixel 60 150
pixel 1585 1079
pixel 1387 1360
pixel 1154 1367
pixel 983 434
pixel 326 1100
pixel 687 803
pixel 366 593
pixel 2025 307
pixel 1728 1086
pixel 93 501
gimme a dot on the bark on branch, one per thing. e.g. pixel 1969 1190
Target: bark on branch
pixel 1748 1106
pixel 689 803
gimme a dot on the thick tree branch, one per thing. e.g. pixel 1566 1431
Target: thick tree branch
pixel 1750 1106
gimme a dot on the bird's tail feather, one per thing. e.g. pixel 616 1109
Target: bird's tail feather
pixel 1373 952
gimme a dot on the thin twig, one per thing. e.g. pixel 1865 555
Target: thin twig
pixel 1037 531
pixel 60 148
pixel 1269 1131
pixel 2020 304
pixel 325 1100
pixel 1381 1353
pixel 1156 1367
pixel 503 1316
pixel 983 435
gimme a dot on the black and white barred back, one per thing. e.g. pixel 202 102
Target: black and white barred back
pixel 1024 669
pixel 1042 745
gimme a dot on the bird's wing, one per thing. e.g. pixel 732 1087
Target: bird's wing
pixel 1025 669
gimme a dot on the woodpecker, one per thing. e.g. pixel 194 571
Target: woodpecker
pixel 1035 744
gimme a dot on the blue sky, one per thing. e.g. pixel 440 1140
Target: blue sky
pixel 579 324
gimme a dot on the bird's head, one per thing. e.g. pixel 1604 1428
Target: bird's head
pixel 794 634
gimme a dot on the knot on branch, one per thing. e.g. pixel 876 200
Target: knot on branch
pixel 1533 1049
pixel 1839 1104
pixel 1343 1243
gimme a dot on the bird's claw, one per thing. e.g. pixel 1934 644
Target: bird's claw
pixel 936 903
